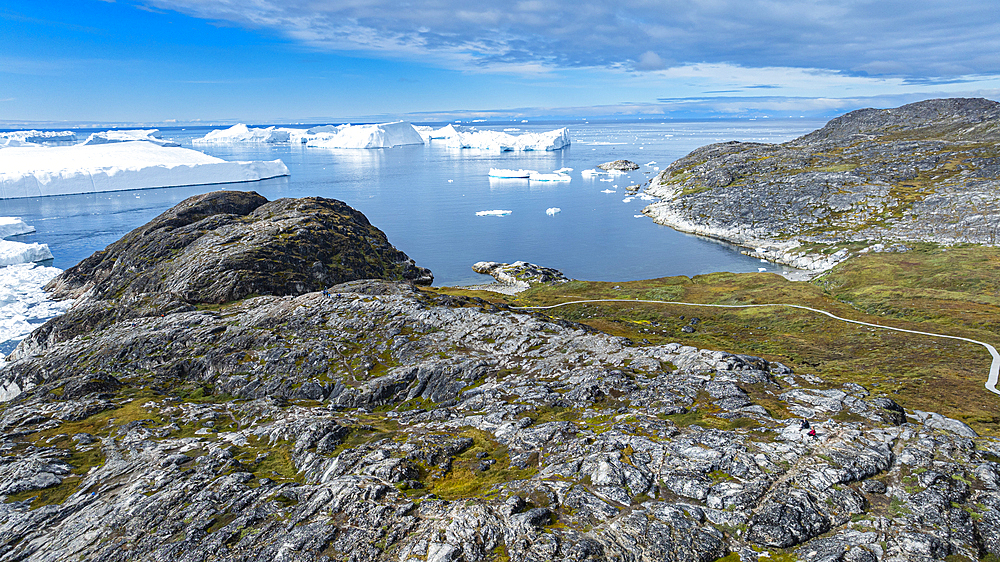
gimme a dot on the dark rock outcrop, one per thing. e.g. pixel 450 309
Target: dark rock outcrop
pixel 220 247
pixel 620 165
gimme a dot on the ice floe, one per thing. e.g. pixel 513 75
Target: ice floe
pixel 510 174
pixel 551 211
pixel 554 176
pixel 382 135
pixel 493 213
pixel 34 171
pixel 498 141
pixel 608 191
pixel 40 136
pixel 148 135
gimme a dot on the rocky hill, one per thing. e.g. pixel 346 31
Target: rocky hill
pixel 377 421
pixel 927 171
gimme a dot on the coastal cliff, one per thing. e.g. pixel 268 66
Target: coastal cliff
pixel 928 171
pixel 265 416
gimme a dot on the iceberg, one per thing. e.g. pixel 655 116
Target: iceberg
pixel 19 252
pixel 551 211
pixel 428 133
pixel 240 134
pixel 382 135
pixel 502 142
pixel 511 174
pixel 40 136
pixel 12 226
pixel 148 135
pixel 493 213
pixel 549 177
pixel 60 170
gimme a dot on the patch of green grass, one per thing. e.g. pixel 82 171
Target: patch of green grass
pixel 465 480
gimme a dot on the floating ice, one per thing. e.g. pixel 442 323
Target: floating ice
pixel 562 171
pixel 627 200
pixel 590 174
pixel 502 142
pixel 551 211
pixel 637 216
pixel 761 269
pixel 549 177
pixel 12 226
pixel 241 134
pixel 493 213
pixel 383 135
pixel 511 130
pixel 19 252
pixel 40 136
pixel 646 197
pixel 429 133
pixel 652 163
pixel 609 191
pixel 148 135
pixel 23 304
pixel 510 174
pixel 38 170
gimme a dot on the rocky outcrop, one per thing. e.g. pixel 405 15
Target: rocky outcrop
pixel 519 276
pixel 376 421
pixel 220 247
pixel 926 171
pixel 619 165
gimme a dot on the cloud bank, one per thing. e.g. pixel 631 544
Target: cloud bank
pixel 921 40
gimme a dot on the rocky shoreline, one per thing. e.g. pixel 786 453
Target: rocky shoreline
pixel 927 171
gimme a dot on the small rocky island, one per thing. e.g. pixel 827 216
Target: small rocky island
pixel 256 381
pixel 928 171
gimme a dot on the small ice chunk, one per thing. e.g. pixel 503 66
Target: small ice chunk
pixel 551 211
pixel 627 200
pixel 638 216
pixel 651 163
pixel 562 171
pixel 510 174
pixel 761 269
pixel 549 177
pixel 590 174
pixel 451 181
pixel 608 191
pixel 493 213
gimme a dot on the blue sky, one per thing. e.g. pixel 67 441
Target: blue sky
pixel 162 61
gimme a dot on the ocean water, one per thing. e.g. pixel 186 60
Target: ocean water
pixel 425 199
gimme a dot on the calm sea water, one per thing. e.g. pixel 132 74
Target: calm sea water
pixel 425 198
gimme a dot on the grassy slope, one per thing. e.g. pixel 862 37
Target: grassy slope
pixel 953 291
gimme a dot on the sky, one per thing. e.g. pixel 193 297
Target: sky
pixel 289 61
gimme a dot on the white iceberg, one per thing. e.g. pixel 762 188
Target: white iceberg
pixel 40 136
pixel 148 135
pixel 40 171
pixel 23 304
pixel 562 171
pixel 502 142
pixel 551 211
pixel 510 174
pixel 549 177
pixel 19 252
pixel 241 134
pixel 382 135
pixel 429 133
pixel 493 213
pixel 12 226
pixel 590 174
pixel 608 191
